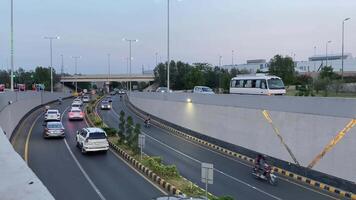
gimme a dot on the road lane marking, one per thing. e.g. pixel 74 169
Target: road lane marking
pixel 215 169
pixel 84 173
pixel 134 169
pixel 232 159
pixel 28 138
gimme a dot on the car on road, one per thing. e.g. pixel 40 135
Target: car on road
pixel 76 105
pixel 53 129
pixel 78 101
pixel 75 114
pixel 108 98
pixel 105 105
pixel 52 115
pixel 163 89
pixel 113 93
pixel 92 139
pixel 203 90
pixel 86 99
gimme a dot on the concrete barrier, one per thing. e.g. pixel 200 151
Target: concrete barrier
pixel 304 126
pixel 22 103
pixel 17 180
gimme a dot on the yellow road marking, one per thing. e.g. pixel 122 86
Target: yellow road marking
pixel 28 138
pixel 332 143
pixel 269 119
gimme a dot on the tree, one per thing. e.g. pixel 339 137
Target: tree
pixel 122 122
pixel 128 126
pixel 283 67
pixel 328 73
pixel 160 73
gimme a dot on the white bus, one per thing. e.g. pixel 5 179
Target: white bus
pixel 259 84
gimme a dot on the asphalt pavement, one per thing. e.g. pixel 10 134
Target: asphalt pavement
pixel 68 174
pixel 231 176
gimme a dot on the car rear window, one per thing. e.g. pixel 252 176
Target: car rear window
pixel 75 111
pixel 52 112
pixel 54 125
pixel 97 135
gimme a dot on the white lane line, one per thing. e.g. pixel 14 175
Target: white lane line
pixel 84 173
pixel 80 166
pixel 242 163
pixel 215 169
pixel 134 169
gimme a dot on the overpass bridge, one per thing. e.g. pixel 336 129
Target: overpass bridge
pixel 106 78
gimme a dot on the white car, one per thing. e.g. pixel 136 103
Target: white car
pixel 52 115
pixel 203 90
pixel 86 99
pixel 77 101
pixel 75 114
pixel 76 105
pixel 92 139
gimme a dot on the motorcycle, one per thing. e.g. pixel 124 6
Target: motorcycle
pixel 265 174
pixel 147 123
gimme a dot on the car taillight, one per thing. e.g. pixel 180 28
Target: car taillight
pixel 81 113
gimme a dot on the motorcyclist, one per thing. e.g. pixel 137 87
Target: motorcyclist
pixel 260 163
pixel 147 120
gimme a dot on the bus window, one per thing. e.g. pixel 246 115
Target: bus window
pixel 258 83
pixel 263 84
pixel 247 83
pixel 233 83
pixel 253 83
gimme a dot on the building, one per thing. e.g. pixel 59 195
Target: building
pixel 313 64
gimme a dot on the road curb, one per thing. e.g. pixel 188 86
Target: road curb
pixel 283 172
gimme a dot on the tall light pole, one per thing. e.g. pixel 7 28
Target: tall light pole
pixel 156 54
pixel 75 71
pixel 314 56
pixel 342 51
pixel 130 41
pixel 168 58
pixel 109 72
pixel 12 44
pixel 220 61
pixel 50 38
pixel 232 58
pixel 326 52
pixel 62 70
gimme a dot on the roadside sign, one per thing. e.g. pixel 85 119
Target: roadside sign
pixel 207 173
pixel 141 140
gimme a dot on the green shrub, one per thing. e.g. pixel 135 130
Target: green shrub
pixel 166 171
pixel 97 121
pixel 110 131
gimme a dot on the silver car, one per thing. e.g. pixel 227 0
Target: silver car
pixel 53 129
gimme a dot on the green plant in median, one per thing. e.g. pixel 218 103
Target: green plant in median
pixel 122 122
pixel 110 131
pixel 133 138
pixel 97 121
pixel 128 126
pixel 165 171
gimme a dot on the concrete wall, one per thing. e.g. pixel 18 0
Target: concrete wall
pixel 23 102
pixel 17 180
pixel 306 124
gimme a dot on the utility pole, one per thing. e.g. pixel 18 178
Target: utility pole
pixel 12 45
pixel 342 56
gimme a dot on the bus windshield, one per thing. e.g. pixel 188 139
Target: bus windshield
pixel 275 84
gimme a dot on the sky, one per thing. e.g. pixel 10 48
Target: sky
pixel 201 31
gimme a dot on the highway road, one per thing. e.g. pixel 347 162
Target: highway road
pixel 232 176
pixel 70 175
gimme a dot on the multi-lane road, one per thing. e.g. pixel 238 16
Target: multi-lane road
pixel 70 175
pixel 232 176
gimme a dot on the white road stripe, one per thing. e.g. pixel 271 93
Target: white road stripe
pixel 80 166
pixel 84 173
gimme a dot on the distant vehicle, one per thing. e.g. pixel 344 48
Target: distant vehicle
pixel 108 98
pixel 75 105
pixel 203 90
pixel 259 84
pixel 21 87
pixel 52 115
pixel 2 87
pixel 121 92
pixel 105 105
pixel 86 99
pixel 53 129
pixel 92 139
pixel 38 87
pixel 85 91
pixel 75 114
pixel 78 101
pixel 163 90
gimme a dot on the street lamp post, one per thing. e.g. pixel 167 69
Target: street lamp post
pixel 232 58
pixel 75 71
pixel 156 58
pixel 62 71
pixel 130 57
pixel 12 45
pixel 168 58
pixel 50 49
pixel 342 51
pixel 326 52
pixel 109 72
